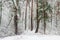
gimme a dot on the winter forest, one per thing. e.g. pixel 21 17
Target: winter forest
pixel 29 17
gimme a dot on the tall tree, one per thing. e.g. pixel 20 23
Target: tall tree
pixel 37 16
pixel 27 4
pixel 15 15
pixel 58 4
pixel 0 10
pixel 43 10
pixel 26 14
pixel 46 13
pixel 31 15
pixel 51 17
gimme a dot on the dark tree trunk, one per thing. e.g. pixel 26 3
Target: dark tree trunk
pixel 32 15
pixel 26 14
pixel 15 20
pixel 15 23
pixel 16 17
pixel 37 27
pixel 37 17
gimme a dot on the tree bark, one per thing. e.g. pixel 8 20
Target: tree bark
pixel 16 17
pixel 37 17
pixel 26 14
pixel 31 15
pixel 58 4
pixel 44 14
pixel 15 23
pixel 37 26
pixel 44 22
pixel 0 10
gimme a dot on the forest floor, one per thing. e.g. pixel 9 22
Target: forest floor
pixel 32 36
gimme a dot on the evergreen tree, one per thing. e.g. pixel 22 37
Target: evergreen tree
pixel 44 9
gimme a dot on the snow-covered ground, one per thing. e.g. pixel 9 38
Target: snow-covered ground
pixel 32 36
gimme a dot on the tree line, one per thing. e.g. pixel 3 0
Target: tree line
pixel 43 9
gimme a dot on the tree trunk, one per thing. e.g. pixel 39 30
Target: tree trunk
pixel 0 10
pixel 31 15
pixel 26 14
pixel 58 4
pixel 16 17
pixel 44 22
pixel 51 19
pixel 37 17
pixel 44 14
pixel 15 23
pixel 37 27
pixel 44 26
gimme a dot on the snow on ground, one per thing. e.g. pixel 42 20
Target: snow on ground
pixel 28 32
pixel 30 35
